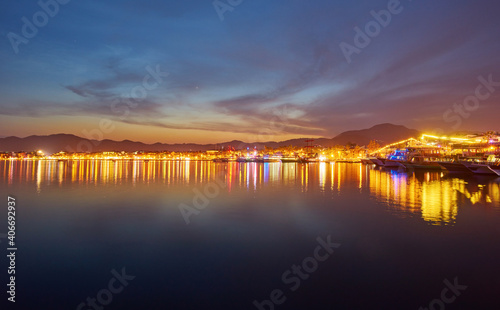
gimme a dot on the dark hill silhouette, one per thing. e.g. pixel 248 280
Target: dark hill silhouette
pixel 383 133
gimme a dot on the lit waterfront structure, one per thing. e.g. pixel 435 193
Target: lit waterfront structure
pixel 439 146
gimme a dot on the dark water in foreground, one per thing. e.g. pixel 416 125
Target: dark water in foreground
pixel 400 236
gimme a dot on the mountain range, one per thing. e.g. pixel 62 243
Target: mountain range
pixel 383 134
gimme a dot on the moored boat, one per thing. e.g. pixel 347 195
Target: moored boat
pixel 482 169
pixel 422 166
pixel 349 161
pixel 390 163
pixel 422 163
pixel 243 159
pixel 455 167
pixel 220 160
pixel 289 159
pixel 267 159
pixel 377 161
pixel 495 168
pixel 304 160
pixel 395 159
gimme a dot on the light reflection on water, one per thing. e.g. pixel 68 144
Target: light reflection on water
pixel 434 196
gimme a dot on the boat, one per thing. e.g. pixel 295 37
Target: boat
pixel 481 166
pixel 493 161
pixel 482 169
pixel 243 159
pixel 478 167
pixel 495 168
pixel 422 163
pixel 267 159
pixel 366 161
pixel 304 160
pixel 289 159
pixel 348 161
pixel 455 167
pixel 427 167
pixel 395 159
pixel 390 163
pixel 378 161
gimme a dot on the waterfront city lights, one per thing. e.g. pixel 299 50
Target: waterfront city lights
pixel 477 143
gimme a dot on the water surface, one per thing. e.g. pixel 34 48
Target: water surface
pixel 401 234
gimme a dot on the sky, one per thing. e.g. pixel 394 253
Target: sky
pixel 209 71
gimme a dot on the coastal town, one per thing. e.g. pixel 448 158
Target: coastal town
pixel 476 153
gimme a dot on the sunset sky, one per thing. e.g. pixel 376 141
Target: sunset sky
pixel 270 70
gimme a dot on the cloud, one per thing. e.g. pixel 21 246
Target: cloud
pixel 233 75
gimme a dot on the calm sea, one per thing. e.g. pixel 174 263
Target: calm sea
pixel 203 235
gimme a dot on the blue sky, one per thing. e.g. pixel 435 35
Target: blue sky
pixel 268 71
